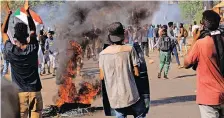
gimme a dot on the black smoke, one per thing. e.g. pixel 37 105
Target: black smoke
pixel 80 17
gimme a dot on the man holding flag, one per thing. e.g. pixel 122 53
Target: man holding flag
pixel 24 64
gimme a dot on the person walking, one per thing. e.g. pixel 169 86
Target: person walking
pixel 160 33
pixel 194 27
pixel 24 64
pixel 40 59
pixel 190 30
pixel 42 40
pixel 5 62
pixel 156 35
pixel 137 35
pixel 170 34
pixel 98 46
pixel 165 48
pixel 118 68
pixel 175 31
pixel 130 35
pixel 156 32
pixel 182 37
pixel 144 40
pixel 210 78
pixel 51 53
pixel 150 37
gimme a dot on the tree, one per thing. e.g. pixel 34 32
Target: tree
pixel 191 10
pixel 33 4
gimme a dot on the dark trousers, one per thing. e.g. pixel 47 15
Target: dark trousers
pixel 176 55
pixel 145 48
pixel 138 110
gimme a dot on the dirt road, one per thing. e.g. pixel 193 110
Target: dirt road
pixel 172 98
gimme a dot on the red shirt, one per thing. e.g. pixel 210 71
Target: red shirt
pixel 210 83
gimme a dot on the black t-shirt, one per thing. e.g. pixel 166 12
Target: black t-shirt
pixel 156 32
pixel 24 65
pixel 42 40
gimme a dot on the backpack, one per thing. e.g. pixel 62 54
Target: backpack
pixel 185 33
pixel 165 44
pixel 219 46
pixel 218 38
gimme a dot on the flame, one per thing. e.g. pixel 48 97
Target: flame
pixel 87 93
pixel 71 68
pixel 67 91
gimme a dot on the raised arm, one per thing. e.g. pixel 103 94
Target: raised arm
pixel 29 18
pixel 6 24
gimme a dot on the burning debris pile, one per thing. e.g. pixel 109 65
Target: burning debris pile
pixel 67 91
pixel 87 93
pixel 69 98
pixel 69 110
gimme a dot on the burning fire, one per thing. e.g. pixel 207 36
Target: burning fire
pixel 67 91
pixel 87 93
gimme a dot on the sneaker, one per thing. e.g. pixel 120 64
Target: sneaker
pixel 44 72
pixel 159 75
pixel 165 77
pixel 49 72
pixel 180 66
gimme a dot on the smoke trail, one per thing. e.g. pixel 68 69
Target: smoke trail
pixel 166 13
pixel 76 18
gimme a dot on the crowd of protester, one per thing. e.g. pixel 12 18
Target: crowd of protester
pixel 119 68
pixel 28 54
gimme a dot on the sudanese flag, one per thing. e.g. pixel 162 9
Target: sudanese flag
pixel 21 14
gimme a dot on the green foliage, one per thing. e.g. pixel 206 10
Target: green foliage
pixel 191 10
pixel 198 16
pixel 19 3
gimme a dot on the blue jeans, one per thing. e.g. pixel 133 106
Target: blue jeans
pixel 5 68
pixel 183 42
pixel 120 114
pixel 176 55
pixel 138 110
pixel 145 48
pixel 130 40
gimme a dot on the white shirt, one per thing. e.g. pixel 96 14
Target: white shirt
pixel 195 27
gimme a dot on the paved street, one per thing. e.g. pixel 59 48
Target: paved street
pixel 173 98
